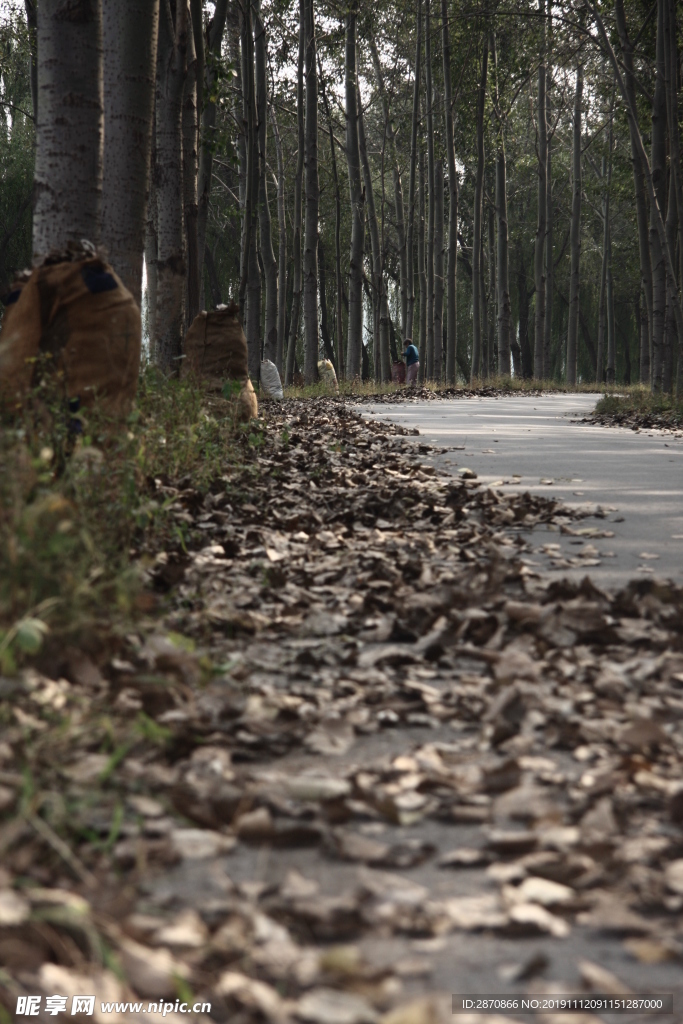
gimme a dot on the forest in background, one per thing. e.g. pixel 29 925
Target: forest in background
pixel 499 183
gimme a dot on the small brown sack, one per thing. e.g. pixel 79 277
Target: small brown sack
pixel 247 402
pixel 215 346
pixel 78 318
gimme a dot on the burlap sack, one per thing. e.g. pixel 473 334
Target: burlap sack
pixel 77 320
pixel 327 375
pixel 247 402
pixel 215 346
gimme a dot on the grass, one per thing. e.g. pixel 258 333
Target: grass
pixel 369 389
pixel 640 400
pixel 77 510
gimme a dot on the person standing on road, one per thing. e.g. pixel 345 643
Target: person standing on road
pixel 412 357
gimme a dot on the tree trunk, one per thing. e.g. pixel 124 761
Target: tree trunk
pixel 234 37
pixel 611 375
pixel 421 269
pixel 542 168
pixel 549 217
pixel 476 235
pixel 673 219
pixel 398 187
pixel 67 185
pixel 355 314
pixel 382 357
pixel 658 162
pixel 324 325
pixel 214 39
pixel 129 34
pixel 190 166
pixel 502 263
pixel 265 228
pixel 644 339
pixel 526 362
pixel 602 307
pixel 639 186
pixel 337 236
pixel 282 247
pixel 575 235
pixel 438 271
pixel 410 248
pixel 250 285
pixel 452 257
pixel 171 58
pixel 32 26
pixel 151 252
pixel 491 314
pixel 312 201
pixel 431 187
pixel 298 180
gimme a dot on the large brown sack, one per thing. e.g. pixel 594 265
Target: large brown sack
pixel 78 319
pixel 215 346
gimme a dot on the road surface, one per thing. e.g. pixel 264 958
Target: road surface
pixel 535 444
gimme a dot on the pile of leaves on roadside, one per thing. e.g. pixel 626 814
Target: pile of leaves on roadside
pixel 342 669
pixel 424 393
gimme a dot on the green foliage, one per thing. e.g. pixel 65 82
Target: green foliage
pixel 77 512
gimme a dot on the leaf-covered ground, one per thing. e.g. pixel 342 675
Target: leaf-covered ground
pixel 354 757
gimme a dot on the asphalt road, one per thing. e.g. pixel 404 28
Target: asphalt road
pixel 533 444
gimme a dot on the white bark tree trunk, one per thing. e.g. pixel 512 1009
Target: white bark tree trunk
pixel 171 60
pixel 312 201
pixel 355 315
pixel 575 235
pixel 129 33
pixel 70 128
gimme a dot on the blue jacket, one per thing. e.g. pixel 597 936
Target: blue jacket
pixel 412 355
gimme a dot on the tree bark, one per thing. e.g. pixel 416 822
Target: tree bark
pixel 190 167
pixel 398 190
pixel 549 217
pixel 575 234
pixel 151 252
pixel 337 236
pixel 639 185
pixel 324 325
pixel 431 186
pixel 355 314
pixel 70 127
pixel 602 307
pixel 298 181
pixel 674 225
pixel 502 260
pixel 476 236
pixel 421 269
pixel 410 247
pixel 270 269
pixel 207 142
pixel 32 26
pixel 171 60
pixel 542 168
pixel 312 201
pixel 523 296
pixel 452 259
pixel 282 247
pixel 491 313
pixel 658 163
pixel 129 35
pixel 438 271
pixel 611 374
pixel 250 285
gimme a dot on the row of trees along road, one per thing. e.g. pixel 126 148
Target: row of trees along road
pixel 501 183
